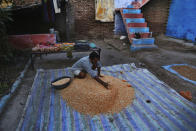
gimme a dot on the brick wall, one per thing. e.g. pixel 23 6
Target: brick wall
pixel 85 23
pixel 156 14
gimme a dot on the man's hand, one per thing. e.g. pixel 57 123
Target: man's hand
pixel 99 72
pixel 105 85
pixel 101 82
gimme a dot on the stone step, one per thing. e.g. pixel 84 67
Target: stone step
pixel 130 6
pixel 133 15
pixel 140 47
pixel 143 35
pixel 134 20
pixel 142 41
pixel 131 11
pixel 137 24
pixel 138 30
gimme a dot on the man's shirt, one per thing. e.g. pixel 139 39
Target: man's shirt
pixel 85 64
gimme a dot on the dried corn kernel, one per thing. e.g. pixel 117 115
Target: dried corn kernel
pixel 90 97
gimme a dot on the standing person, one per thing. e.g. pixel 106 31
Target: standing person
pixel 89 64
pixel 136 4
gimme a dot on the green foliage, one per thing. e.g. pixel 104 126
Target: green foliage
pixel 4 19
pixel 3 87
pixel 6 52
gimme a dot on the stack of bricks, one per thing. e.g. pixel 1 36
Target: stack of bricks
pixel 85 23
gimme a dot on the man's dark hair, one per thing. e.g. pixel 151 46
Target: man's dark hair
pixel 94 55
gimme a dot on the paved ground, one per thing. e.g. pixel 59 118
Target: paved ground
pixel 114 51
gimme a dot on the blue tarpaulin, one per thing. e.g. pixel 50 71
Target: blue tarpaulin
pixel 182 19
pixel 155 107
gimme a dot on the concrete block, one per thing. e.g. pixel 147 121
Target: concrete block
pixel 139 29
pixel 133 15
pixel 137 24
pixel 146 41
pixel 131 11
pixel 143 35
pixel 140 47
pixel 135 20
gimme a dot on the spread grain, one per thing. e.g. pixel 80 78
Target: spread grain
pixel 186 71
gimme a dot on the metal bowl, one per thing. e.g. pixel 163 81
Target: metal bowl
pixel 63 85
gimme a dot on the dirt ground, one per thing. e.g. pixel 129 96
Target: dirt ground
pixel 9 73
pixel 114 51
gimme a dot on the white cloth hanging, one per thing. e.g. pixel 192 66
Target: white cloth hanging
pixel 57 10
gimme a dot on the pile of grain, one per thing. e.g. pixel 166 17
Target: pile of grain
pixel 186 71
pixel 89 97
